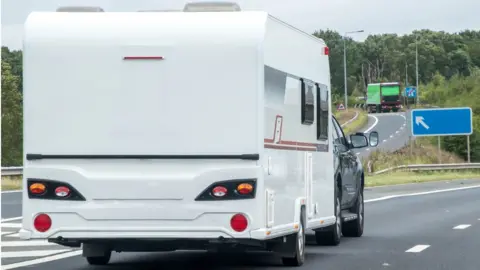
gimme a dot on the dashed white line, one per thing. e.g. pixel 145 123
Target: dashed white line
pixel 11 225
pixel 461 226
pixel 397 131
pixel 11 219
pixel 391 136
pixel 368 149
pixel 42 260
pixel 418 248
pixel 26 254
pixel 26 243
pixel 384 140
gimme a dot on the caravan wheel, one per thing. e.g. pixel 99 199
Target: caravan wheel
pixel 299 257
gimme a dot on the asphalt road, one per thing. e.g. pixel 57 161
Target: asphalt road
pixel 428 229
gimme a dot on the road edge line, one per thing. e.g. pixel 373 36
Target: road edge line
pixel 419 193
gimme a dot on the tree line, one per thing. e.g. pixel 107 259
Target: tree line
pixel 449 75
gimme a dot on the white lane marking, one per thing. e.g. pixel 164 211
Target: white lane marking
pixel 12 191
pixel 373 125
pixel 42 260
pixel 461 226
pixel 384 140
pixel 11 219
pixel 358 153
pixel 368 149
pixel 32 253
pixel 26 243
pixel 391 136
pixel 419 193
pixel 11 225
pixel 397 131
pixel 418 248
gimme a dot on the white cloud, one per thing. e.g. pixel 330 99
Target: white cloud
pixel 373 16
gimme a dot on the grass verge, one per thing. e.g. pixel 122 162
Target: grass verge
pixel 356 124
pixel 418 177
pixel 11 182
pixel 421 152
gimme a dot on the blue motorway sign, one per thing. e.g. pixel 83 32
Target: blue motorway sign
pixel 411 91
pixel 442 121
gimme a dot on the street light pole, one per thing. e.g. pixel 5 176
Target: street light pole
pixel 345 63
pixel 416 66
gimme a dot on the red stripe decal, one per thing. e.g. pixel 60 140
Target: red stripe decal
pixel 277 143
pixel 143 58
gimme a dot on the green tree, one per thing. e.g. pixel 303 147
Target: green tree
pixel 12 130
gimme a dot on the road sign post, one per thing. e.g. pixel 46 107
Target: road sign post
pixel 442 122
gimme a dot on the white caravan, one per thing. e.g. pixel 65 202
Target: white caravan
pixel 152 131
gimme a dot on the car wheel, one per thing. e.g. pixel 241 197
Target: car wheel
pixel 355 227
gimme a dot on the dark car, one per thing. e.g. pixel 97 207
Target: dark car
pixel 349 185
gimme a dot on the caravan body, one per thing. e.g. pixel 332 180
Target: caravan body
pixel 195 126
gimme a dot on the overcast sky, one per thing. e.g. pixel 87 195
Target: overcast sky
pixel 373 16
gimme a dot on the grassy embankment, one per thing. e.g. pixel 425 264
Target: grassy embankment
pixel 11 182
pixel 355 125
pixel 422 152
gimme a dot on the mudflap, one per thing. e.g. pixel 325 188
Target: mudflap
pixel 284 246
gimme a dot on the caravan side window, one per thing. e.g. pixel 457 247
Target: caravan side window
pixel 308 104
pixel 322 111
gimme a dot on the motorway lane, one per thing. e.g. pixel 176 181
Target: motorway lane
pixel 392 227
pixel 11 204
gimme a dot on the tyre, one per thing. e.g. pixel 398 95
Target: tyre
pixel 102 260
pixel 355 227
pixel 331 236
pixel 299 243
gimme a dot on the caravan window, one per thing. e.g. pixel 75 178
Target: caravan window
pixel 322 111
pixel 308 103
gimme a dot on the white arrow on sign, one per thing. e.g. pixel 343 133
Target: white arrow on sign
pixel 419 121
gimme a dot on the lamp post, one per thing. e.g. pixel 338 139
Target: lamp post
pixel 345 63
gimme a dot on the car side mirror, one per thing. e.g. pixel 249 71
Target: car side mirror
pixel 358 140
pixel 373 139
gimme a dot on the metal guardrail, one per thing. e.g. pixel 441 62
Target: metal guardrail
pixel 12 171
pixel 431 167
pixel 16 171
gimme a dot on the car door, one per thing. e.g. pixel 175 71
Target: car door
pixel 341 150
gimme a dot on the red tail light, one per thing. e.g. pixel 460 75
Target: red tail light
pixel 62 191
pixel 239 223
pixel 219 191
pixel 42 223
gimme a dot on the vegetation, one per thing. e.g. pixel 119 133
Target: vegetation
pixel 448 72
pixel 418 177
pixel 11 183
pixel 420 152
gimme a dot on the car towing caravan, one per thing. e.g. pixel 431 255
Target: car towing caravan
pixel 161 131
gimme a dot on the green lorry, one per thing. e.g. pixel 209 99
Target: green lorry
pixel 383 97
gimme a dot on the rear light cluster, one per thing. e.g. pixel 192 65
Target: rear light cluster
pixel 42 222
pixel 239 222
pixel 52 190
pixel 229 190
